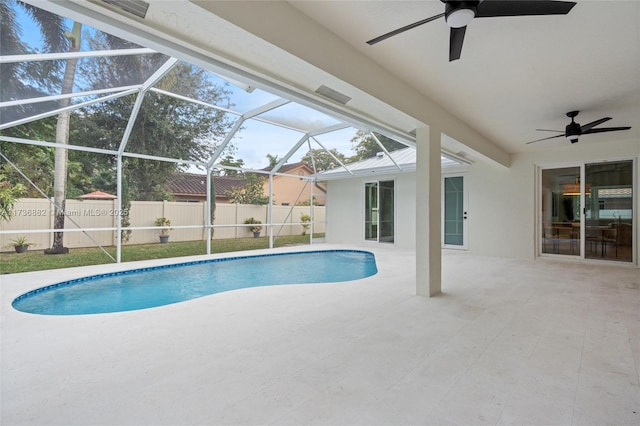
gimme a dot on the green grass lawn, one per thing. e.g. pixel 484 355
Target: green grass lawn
pixel 36 260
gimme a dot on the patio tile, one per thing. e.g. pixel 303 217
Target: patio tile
pixel 508 342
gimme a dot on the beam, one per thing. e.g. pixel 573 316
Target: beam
pixel 333 156
pixel 33 57
pixel 68 108
pixel 375 138
pixel 67 96
pixel 289 154
pixel 220 149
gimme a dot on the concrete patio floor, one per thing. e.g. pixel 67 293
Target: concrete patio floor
pixel 508 342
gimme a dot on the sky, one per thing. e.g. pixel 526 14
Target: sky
pixel 256 139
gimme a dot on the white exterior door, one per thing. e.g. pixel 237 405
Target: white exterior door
pixel 455 222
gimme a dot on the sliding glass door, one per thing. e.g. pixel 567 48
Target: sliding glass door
pixel 609 211
pixel 587 211
pixel 379 211
pixel 561 211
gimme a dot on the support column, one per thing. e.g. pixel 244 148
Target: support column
pixel 119 208
pixel 207 211
pixel 270 211
pixel 428 212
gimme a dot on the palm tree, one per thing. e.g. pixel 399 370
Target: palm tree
pixel 56 38
pixel 62 137
pixel 273 160
pixel 20 80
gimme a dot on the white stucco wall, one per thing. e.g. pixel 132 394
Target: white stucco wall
pixel 345 210
pixel 502 202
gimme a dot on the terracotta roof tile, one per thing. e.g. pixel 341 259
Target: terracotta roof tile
pixel 97 195
pixel 288 167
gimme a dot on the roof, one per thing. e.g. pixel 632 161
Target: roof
pixel 289 167
pixel 98 195
pixel 401 161
pixel 404 158
pixel 226 183
pixel 196 184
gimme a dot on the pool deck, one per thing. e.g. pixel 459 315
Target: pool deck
pixel 508 342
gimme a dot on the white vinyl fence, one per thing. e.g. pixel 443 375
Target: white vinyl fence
pixel 33 216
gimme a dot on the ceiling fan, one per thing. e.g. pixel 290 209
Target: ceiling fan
pixel 573 130
pixel 458 14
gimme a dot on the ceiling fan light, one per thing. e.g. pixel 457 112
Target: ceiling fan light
pixel 572 131
pixel 461 17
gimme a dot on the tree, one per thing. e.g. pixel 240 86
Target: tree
pixel 9 194
pixel 251 193
pixel 23 80
pixel 164 126
pixel 38 161
pixel 273 160
pixel 365 146
pixel 62 137
pixel 56 39
pixel 323 160
pixel 229 160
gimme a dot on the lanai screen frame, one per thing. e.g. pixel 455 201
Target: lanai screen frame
pixel 210 164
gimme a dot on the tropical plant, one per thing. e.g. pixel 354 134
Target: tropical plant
pixel 20 242
pixel 163 221
pixel 9 194
pixel 273 160
pixel 305 219
pixel 251 193
pixel 253 221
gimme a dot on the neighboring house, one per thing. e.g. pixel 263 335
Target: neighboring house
pixel 192 187
pixel 288 191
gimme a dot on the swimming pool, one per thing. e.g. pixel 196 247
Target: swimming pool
pixel 162 285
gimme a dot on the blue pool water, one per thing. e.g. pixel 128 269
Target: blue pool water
pixel 163 285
